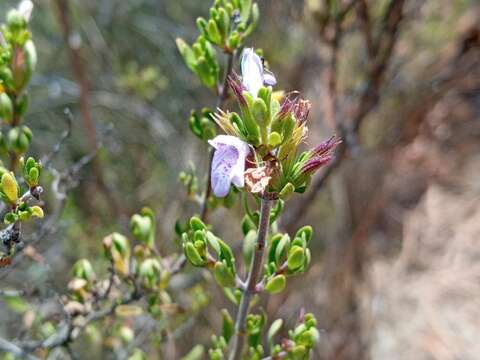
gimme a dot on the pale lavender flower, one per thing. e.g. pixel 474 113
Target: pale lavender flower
pixel 254 76
pixel 228 164
pixel 25 8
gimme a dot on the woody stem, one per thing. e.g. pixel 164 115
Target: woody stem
pixel 252 280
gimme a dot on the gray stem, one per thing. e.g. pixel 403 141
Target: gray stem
pixel 252 280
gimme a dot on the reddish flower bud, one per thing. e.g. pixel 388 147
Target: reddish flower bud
pixel 314 164
pixel 325 147
pixel 236 85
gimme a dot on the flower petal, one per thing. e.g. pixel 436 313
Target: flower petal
pixel 269 78
pixel 228 163
pixel 238 172
pixel 223 163
pixel 230 140
pixel 252 71
pixel 25 9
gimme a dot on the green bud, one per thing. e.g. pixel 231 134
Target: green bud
pixel 265 93
pixel 249 245
pixel 202 25
pixel 213 241
pixel 15 20
pixel 37 211
pixel 228 327
pixel 187 54
pixel 299 330
pixel 199 236
pixel 6 108
pixel 282 249
pixel 83 269
pixel 142 227
pixel 193 255
pixel 288 126
pixel 274 329
pixel 308 338
pixel 33 175
pixel 22 105
pixel 251 126
pixel 260 113
pixel 234 40
pixel 247 225
pixel 213 32
pixel 309 320
pixel 276 284
pixel 286 191
pixel 296 257
pixel 194 123
pixel 6 76
pixel 9 187
pixel 23 215
pixel 215 354
pixel 204 71
pixel 19 139
pixel 149 272
pixel 30 54
pixel 10 218
pixel 305 232
pixel 197 224
pixel 223 274
pixel 223 22
pixel 117 247
pixel 298 352
pixel 274 140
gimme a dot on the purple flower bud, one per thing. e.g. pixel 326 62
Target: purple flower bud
pixel 286 107
pixel 301 110
pixel 295 106
pixel 314 164
pixel 237 87
pixel 325 147
pixel 321 155
pixel 228 163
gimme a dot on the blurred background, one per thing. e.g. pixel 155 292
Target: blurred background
pixel 395 270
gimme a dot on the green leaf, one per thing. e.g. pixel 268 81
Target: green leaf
pixel 276 284
pixel 296 257
pixel 228 327
pixel 187 54
pixel 197 224
pixel 223 274
pixel 274 329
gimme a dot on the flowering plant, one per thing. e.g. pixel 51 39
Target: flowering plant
pixel 259 154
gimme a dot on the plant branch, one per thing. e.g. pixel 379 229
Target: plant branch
pixel 252 280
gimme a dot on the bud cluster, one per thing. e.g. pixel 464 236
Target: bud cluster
pixel 203 249
pixel 300 342
pixel 229 23
pixel 138 267
pixel 297 346
pixel 18 58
